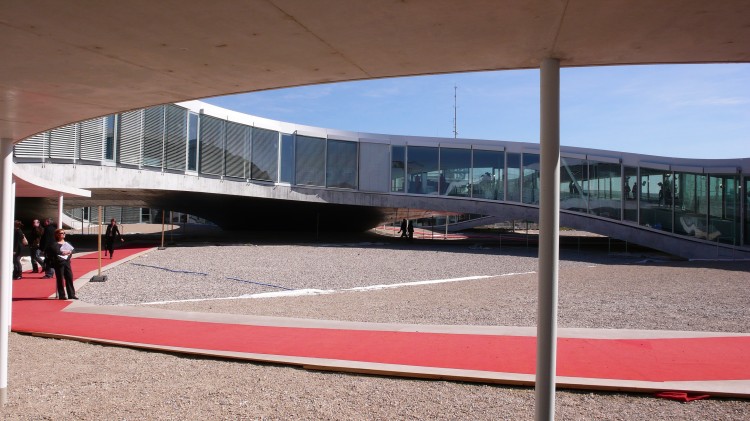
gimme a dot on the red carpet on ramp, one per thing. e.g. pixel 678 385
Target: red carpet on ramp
pixel 33 286
pixel 652 360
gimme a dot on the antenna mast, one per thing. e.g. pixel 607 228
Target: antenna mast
pixel 455 112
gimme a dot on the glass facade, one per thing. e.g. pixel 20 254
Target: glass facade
pixel 286 162
pixel 630 193
pixel 723 201
pixel 265 154
pixel 530 186
pixel 423 172
pixel 691 203
pixel 455 168
pixel 655 194
pixel 109 139
pixel 605 189
pixel 310 161
pixel 487 177
pixel 691 206
pixel 398 169
pixel 341 164
pixel 573 176
pixel 513 192
pixel 192 142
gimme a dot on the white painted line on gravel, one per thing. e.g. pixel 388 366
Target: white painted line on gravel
pixel 310 291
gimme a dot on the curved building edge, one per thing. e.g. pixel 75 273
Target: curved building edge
pixel 688 207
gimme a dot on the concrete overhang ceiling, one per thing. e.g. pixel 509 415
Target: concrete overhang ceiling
pixel 65 61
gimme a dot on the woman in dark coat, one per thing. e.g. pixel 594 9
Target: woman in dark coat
pixel 62 253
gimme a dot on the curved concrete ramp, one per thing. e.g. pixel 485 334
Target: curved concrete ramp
pixel 643 361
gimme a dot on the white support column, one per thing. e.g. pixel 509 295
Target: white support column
pixel 59 211
pixel 549 228
pixel 13 217
pixel 6 258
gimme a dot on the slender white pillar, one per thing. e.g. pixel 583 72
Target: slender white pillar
pixel 6 258
pixel 59 211
pixel 13 217
pixel 549 228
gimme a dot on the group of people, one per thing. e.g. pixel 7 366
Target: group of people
pixel 47 241
pixel 407 229
pixel 626 190
pixel 51 254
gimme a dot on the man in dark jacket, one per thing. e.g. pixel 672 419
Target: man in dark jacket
pixel 17 248
pixel 35 237
pixel 109 238
pixel 47 240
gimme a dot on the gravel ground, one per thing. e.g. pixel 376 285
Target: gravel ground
pixel 55 379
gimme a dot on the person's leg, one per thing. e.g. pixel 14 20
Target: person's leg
pixel 32 255
pixel 59 282
pixel 39 260
pixel 49 270
pixel 69 286
pixel 17 268
pixel 110 247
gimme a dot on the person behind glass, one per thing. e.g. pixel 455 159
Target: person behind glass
pixel 35 237
pixel 109 238
pixel 47 240
pixel 17 248
pixel 62 253
pixel 403 228
pixel 410 228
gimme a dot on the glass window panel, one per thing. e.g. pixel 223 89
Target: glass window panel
pixel 655 190
pixel 192 142
pixel 287 159
pixel 690 204
pixel 341 164
pixel 423 171
pixel 455 167
pixel 310 161
pixel 236 150
pixel 153 136
pixel 723 209
pixel 487 174
pixel 212 138
pixel 109 142
pixel 531 178
pixel 630 191
pixel 398 163
pixel 175 120
pixel 265 154
pixel 605 191
pixel 514 178
pixel 573 172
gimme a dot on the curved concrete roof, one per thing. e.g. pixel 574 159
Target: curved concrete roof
pixel 67 61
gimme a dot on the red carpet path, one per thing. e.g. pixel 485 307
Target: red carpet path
pixel 717 364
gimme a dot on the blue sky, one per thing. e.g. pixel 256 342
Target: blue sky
pixel 690 111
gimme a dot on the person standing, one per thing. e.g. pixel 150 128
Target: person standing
pixel 45 242
pixel 18 238
pixel 35 237
pixel 62 254
pixel 403 229
pixel 410 228
pixel 109 238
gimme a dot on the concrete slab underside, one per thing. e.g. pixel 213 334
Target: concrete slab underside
pixel 598 359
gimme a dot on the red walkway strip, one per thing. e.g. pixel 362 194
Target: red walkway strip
pixel 653 360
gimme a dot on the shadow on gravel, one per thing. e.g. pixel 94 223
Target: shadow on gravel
pixel 594 250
